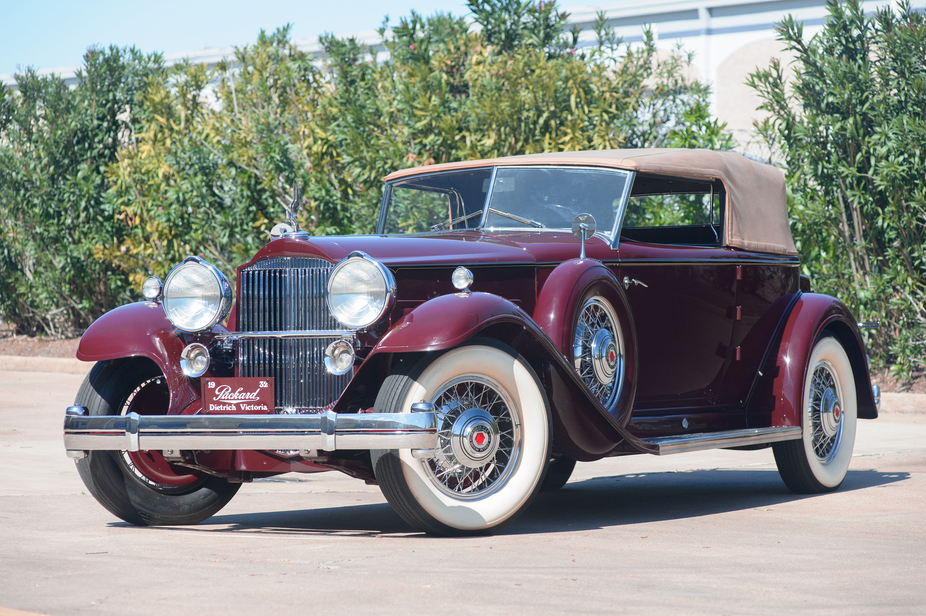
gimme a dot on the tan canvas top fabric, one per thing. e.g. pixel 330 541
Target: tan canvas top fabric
pixel 756 209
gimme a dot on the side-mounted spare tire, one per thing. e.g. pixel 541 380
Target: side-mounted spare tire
pixel 143 487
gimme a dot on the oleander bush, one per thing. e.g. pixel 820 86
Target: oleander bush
pixel 57 145
pixel 848 119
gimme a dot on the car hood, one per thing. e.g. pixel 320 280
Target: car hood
pixel 448 248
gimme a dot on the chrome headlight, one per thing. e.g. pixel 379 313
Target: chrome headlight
pixel 360 291
pixel 196 295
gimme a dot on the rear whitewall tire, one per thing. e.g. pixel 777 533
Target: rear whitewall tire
pixel 411 485
pixel 819 461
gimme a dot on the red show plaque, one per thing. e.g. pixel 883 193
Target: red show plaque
pixel 238 396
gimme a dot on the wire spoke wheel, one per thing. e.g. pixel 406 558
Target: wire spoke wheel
pixel 598 350
pixel 478 438
pixel 825 413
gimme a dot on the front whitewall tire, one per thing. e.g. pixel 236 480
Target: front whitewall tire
pixel 411 484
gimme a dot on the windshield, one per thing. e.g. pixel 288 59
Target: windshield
pixel 518 198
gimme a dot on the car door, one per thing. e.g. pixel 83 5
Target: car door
pixel 681 287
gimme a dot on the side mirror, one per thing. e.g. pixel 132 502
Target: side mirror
pixel 583 227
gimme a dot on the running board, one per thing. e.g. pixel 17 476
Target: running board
pixel 722 440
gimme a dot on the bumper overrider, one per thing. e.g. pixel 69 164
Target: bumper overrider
pixel 327 431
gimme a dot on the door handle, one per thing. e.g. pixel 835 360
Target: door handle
pixel 628 281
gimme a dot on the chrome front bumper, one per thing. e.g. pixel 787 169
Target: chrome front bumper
pixel 309 433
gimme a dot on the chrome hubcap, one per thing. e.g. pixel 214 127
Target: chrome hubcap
pixel 474 438
pixel 826 417
pixel 598 353
pixel 830 413
pixel 479 438
pixel 604 356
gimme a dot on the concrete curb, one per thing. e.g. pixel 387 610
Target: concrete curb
pixel 57 365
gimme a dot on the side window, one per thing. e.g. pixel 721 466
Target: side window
pixel 674 211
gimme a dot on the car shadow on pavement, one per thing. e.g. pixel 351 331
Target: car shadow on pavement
pixel 581 505
pixel 650 497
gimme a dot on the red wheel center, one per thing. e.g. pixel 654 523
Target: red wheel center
pixel 836 413
pixel 611 357
pixel 480 438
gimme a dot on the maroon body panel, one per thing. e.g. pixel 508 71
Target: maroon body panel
pixel 141 330
pixel 697 337
pixel 391 250
pixel 765 289
pixel 777 398
pixel 684 318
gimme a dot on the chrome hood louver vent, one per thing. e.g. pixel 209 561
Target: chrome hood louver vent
pixel 288 294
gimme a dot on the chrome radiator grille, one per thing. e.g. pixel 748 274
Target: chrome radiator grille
pixel 288 294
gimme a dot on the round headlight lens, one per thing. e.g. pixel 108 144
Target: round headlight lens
pixel 360 291
pixel 196 295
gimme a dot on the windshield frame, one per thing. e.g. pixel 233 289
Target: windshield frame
pixel 612 235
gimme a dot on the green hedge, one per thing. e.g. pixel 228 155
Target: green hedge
pixel 139 165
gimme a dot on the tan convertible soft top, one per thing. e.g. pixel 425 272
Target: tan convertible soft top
pixel 756 209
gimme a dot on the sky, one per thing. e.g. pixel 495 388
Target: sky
pixel 48 34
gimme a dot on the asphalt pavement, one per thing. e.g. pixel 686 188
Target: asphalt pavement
pixel 705 533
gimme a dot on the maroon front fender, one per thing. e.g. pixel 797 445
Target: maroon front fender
pixel 140 330
pixel 447 321
pixel 777 399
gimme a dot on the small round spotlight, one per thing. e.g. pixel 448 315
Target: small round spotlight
pixel 151 288
pixel 339 357
pixel 194 360
pixel 462 278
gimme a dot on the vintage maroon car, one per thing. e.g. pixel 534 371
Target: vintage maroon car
pixel 508 318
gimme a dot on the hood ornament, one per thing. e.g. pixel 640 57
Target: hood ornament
pixel 290 228
pixel 293 208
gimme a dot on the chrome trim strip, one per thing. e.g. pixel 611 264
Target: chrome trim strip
pixel 622 209
pixel 488 199
pixel 609 262
pixel 327 431
pixel 306 333
pixel 793 262
pixel 721 440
